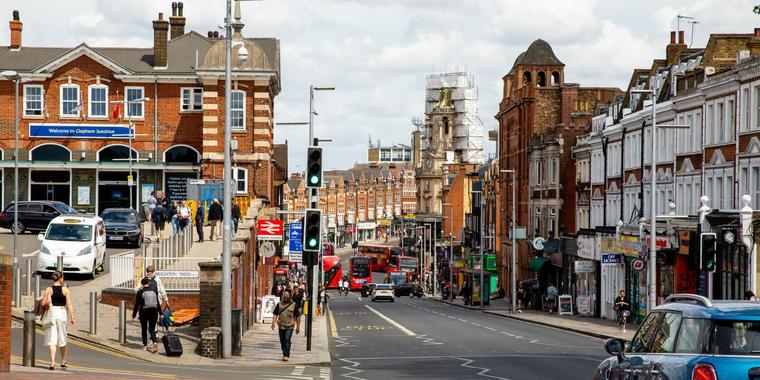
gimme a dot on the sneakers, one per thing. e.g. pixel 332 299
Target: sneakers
pixel 154 348
pixel 285 358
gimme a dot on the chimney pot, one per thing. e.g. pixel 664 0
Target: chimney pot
pixel 16 27
pixel 680 37
pixel 177 21
pixel 160 15
pixel 174 8
pixel 210 34
pixel 673 37
pixel 216 34
pixel 180 6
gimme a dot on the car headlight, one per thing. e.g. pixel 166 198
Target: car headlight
pixel 134 232
pixel 44 250
pixel 85 251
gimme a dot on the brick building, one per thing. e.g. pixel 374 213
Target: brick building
pixel 539 117
pixel 364 202
pixel 74 141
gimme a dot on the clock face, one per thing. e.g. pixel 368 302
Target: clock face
pixel 429 163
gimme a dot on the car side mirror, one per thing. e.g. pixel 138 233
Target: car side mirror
pixel 615 346
pixel 41 236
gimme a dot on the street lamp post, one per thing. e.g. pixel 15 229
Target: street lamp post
pixel 514 241
pixel 652 276
pixel 16 78
pixel 451 250
pixel 482 261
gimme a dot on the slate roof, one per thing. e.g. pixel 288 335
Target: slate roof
pixel 539 53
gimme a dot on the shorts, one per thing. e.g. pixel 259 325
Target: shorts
pixel 160 225
pixel 55 334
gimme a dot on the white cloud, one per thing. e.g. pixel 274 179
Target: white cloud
pixel 377 53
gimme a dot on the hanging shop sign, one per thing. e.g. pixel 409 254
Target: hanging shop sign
pixel 612 258
pixel 586 247
pixel 629 245
pixel 683 247
pixel 638 264
pixel 584 266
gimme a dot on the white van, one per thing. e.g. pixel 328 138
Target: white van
pixel 79 239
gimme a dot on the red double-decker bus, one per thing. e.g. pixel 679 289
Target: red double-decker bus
pixel 405 263
pixel 333 271
pixel 360 272
pixel 381 256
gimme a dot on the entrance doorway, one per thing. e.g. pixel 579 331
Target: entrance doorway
pixel 114 189
pixel 50 185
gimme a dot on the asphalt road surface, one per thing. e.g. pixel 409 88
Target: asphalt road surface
pixel 426 339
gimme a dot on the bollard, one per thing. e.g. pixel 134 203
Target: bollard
pixel 59 263
pixel 37 285
pixel 183 243
pixel 122 321
pixel 29 277
pixel 93 313
pixel 17 288
pixel 144 248
pixel 156 250
pixel 29 342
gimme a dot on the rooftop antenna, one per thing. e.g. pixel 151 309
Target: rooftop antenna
pixel 693 22
pixel 678 23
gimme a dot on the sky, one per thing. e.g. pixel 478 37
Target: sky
pixel 376 53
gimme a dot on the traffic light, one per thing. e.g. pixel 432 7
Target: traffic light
pixel 707 251
pixel 314 167
pixel 312 230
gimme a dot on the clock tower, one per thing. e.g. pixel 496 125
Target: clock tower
pixel 437 151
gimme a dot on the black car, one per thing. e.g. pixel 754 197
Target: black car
pixel 33 216
pixel 123 226
pixel 407 289
pixel 367 289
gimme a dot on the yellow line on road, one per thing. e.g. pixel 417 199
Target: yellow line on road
pixel 333 328
pixel 84 344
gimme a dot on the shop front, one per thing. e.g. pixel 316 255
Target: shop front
pixel 635 275
pixel 585 273
pixel 613 276
pixel 366 231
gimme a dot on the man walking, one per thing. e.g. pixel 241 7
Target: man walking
pixel 199 218
pixel 235 216
pixel 215 215
pixel 287 316
pixel 159 218
pixel 146 304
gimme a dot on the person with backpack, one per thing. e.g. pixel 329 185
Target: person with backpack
pixel 215 215
pixel 147 304
pixel 287 317
pixel 159 218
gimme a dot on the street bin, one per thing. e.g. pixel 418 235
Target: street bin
pixel 237 332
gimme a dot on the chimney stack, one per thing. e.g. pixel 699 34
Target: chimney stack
pixel 160 29
pixel 673 50
pixel 680 37
pixel 672 36
pixel 177 20
pixel 16 27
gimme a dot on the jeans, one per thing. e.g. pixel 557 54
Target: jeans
pixel 148 319
pixel 175 224
pixel 285 336
pixel 199 230
pixel 234 226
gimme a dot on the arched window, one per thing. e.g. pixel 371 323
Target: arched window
pixel 50 152
pixel 541 79
pixel 181 154
pixel 527 77
pixel 555 78
pixel 116 152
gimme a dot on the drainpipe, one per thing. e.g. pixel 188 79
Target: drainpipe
pixel 622 174
pixel 155 118
pixel 641 180
pixel 604 167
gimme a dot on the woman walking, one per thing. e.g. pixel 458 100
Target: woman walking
pixel 59 314
pixel 622 308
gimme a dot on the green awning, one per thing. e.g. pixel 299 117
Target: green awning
pixel 536 264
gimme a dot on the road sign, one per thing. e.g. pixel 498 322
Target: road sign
pixel 638 264
pixel 269 229
pixel 296 237
pixel 295 258
pixel 267 249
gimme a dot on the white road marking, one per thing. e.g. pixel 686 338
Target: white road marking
pixel 489 328
pixel 463 320
pixel 392 322
pixel 475 324
pixel 30 254
pixel 352 368
pixel 452 317
pixel 483 371
pixel 506 333
pixel 298 371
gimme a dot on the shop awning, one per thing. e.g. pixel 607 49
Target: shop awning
pixel 536 264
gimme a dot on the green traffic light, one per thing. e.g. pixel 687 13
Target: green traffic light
pixel 313 242
pixel 314 179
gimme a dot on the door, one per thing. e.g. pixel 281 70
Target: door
pixel 35 219
pixel 49 213
pixel 637 349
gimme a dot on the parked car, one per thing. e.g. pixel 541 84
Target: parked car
pixel 382 291
pixel 690 337
pixel 33 215
pixel 79 239
pixel 123 225
pixel 408 289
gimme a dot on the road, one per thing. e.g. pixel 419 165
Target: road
pixel 28 248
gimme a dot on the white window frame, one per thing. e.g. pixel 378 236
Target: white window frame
pixel 191 107
pixel 89 101
pixel 236 176
pixel 730 118
pixel 42 100
pixel 61 101
pixel 232 109
pixel 140 104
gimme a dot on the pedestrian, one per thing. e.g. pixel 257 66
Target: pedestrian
pixel 622 308
pixel 151 207
pixel 184 215
pixel 174 216
pixel 500 293
pixel 323 296
pixel 215 215
pixel 60 313
pixel 199 218
pixel 465 292
pixel 298 296
pixel 749 296
pixel 146 304
pixel 159 217
pixel 520 297
pixel 235 211
pixel 287 317
pixel 551 297
pixel 155 284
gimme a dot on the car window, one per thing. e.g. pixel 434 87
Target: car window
pixel 49 209
pixel 65 209
pixel 23 207
pixel 69 232
pixel 667 331
pixel 32 207
pixel 643 339
pixel 737 337
pixel 693 336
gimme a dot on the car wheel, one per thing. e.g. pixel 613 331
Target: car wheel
pixel 19 228
pixel 411 295
pixel 392 300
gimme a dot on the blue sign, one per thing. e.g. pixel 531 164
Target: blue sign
pixel 612 258
pixel 296 237
pixel 79 131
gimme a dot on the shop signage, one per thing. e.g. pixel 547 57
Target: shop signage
pixel 609 245
pixel 366 226
pixel 175 185
pixel 586 247
pixel 612 258
pixel 683 246
pixel 409 218
pixel 384 222
pixel 269 229
pixel 584 266
pixel 538 243
pixel 565 305
pixel 78 131
pixel 660 241
pixel 296 238
pixel 629 245
pixel 520 233
pixel 350 230
pixel 583 305
pixel 638 264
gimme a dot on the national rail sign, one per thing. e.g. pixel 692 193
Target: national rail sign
pixel 269 229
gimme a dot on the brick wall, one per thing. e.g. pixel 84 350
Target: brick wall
pixel 6 284
pixel 177 300
pixel 211 289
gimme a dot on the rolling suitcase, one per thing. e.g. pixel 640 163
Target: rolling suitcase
pixel 172 344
